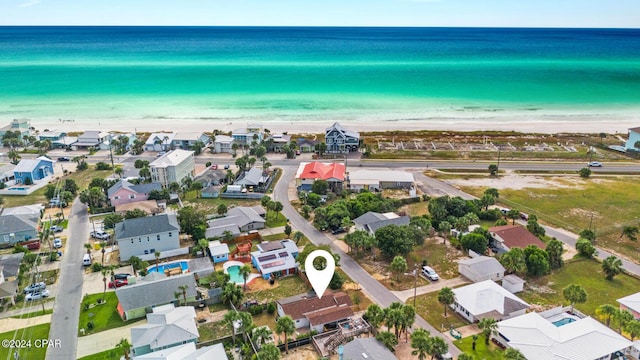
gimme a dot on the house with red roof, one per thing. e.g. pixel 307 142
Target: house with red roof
pixel 308 173
pixel 307 310
pixel 509 236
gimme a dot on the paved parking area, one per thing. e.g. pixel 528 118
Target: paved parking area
pixel 93 284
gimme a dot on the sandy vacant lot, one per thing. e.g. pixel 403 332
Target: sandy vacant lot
pixel 518 182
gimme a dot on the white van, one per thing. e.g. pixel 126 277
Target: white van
pixel 86 260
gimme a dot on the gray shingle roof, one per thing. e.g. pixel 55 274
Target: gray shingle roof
pixel 140 188
pixel 483 265
pixel 156 292
pixel 146 225
pixel 239 216
pixel 368 218
pixel 402 220
pixel 17 223
pixel 373 349
pixel 11 263
pixel 252 177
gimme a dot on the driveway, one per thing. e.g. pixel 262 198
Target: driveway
pixel 432 287
pixel 105 340
pixel 66 310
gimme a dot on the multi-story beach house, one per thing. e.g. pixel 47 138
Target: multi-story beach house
pixel 186 140
pixel 51 135
pixel 159 142
pixel 173 167
pixel 247 135
pixel 124 192
pixel 90 139
pixel 21 125
pixel 146 235
pixel 223 144
pixel 634 137
pixel 33 170
pixel 341 140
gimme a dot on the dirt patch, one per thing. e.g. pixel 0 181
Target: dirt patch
pixel 515 182
pixel 302 353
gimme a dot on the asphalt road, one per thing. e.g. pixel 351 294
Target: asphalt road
pixel 374 290
pixel 66 310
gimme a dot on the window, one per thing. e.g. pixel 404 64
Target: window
pixel 169 234
pixel 116 197
pixel 139 240
pixel 152 251
pixel 146 252
pixel 132 241
pixel 158 237
pixel 132 196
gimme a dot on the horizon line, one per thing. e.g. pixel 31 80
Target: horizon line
pixel 332 26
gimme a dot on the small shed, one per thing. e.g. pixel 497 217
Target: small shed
pixel 513 283
pixel 219 251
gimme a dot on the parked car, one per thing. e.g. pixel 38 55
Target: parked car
pixel 430 273
pixel 121 276
pixel 339 230
pixel 57 243
pixel 248 304
pixel 37 295
pixel 161 153
pixel 226 167
pixel 524 216
pixel 445 356
pixel 214 167
pixel 99 235
pixel 117 283
pixel 35 287
pixel 594 164
pixel 56 228
pixel 64 158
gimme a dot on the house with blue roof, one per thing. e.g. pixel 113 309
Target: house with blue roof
pixel 276 258
pixel 33 170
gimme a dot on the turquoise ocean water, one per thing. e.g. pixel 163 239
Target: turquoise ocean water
pixel 222 74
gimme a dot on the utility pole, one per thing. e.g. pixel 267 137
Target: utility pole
pixel 415 284
pixel 498 166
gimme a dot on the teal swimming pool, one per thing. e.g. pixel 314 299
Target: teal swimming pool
pixel 183 265
pixel 234 274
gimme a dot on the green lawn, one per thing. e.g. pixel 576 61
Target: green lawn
pixel 33 314
pixel 304 241
pixel 36 351
pixel 481 352
pixel 288 286
pixel 586 273
pixel 275 221
pixel 608 203
pixel 104 316
pixel 105 355
pixel 432 311
pixel 213 331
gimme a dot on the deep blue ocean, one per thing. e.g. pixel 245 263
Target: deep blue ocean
pixel 219 74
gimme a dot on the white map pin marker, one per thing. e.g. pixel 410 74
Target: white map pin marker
pixel 320 279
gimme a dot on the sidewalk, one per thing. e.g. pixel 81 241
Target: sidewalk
pixel 10 324
pixel 105 340
pixel 433 287
pixel 25 310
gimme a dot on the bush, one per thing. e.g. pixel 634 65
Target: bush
pixel 271 308
pixel 82 166
pixel 336 282
pixel 86 306
pixel 90 325
pixel 103 166
pixel 53 256
pixel 256 310
pixel 28 181
pixel 96 267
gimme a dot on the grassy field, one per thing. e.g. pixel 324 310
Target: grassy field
pixel 35 351
pixel 586 273
pixel 432 311
pixel 482 352
pixel 284 287
pixel 33 314
pixel 608 204
pixel 103 316
pixel 105 355
pixel 213 331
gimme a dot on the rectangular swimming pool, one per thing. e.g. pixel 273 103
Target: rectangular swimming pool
pixel 564 321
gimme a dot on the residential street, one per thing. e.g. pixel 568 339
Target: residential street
pixel 66 310
pixel 373 289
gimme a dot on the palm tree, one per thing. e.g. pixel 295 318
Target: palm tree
pixel 394 318
pixel 231 294
pixel 437 346
pixel 611 267
pixel 103 250
pixel 231 318
pixel 513 354
pixel 398 265
pixel 286 326
pixel 420 343
pixel 622 318
pixel 633 328
pixel 184 288
pixel 104 280
pixel 136 263
pixel 408 318
pixel 375 316
pixel 297 236
pixel 269 352
pixel 488 326
pixel 387 339
pixel 119 171
pixel 446 298
pixel 245 271
pixel 606 311
pixel 574 293
pixel 88 247
pixel 445 229
pixel 125 346
pixel 261 335
pixel 203 244
pixel 157 255
pixel 222 209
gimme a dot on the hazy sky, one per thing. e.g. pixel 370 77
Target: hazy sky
pixel 527 13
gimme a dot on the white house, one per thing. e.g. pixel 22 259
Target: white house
pixel 146 235
pixel 481 268
pixel 557 336
pixel 90 139
pixel 187 351
pixel 173 167
pixel 513 283
pixel 246 135
pixel 159 142
pixel 631 303
pixel 186 140
pixel 634 136
pixel 223 144
pixel 487 299
pixel 376 180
